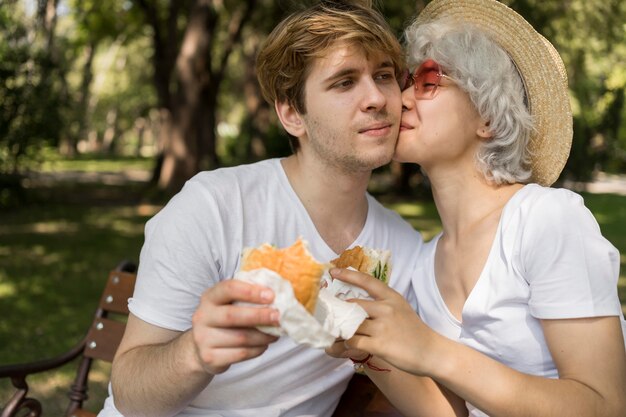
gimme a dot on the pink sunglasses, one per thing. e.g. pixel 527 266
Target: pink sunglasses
pixel 425 79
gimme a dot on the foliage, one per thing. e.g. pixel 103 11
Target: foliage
pixel 29 101
pixel 96 87
pixel 590 35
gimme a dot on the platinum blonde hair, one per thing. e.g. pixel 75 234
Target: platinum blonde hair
pixel 487 74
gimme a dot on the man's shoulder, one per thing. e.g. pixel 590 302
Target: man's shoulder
pixel 243 171
pixel 228 179
pixel 228 185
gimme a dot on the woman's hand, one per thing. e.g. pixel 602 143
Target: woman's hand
pixel 392 332
pixel 339 349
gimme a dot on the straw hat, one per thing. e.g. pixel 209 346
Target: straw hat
pixel 542 71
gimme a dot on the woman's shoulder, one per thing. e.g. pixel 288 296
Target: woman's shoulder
pixel 532 194
pixel 535 201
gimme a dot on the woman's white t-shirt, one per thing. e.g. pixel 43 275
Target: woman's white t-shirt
pixel 548 261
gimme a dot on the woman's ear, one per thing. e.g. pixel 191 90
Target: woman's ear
pixel 484 130
pixel 290 119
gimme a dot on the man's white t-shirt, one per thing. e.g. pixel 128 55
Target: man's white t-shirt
pixel 196 241
pixel 548 260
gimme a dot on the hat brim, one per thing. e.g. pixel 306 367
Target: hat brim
pixel 542 71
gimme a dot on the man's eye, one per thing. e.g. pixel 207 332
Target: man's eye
pixel 343 84
pixel 386 76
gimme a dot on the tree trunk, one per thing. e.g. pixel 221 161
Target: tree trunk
pixel 206 123
pixel 192 142
pixel 165 38
pixel 189 114
pixel 258 113
pixel 83 104
pixel 181 152
pixel 111 132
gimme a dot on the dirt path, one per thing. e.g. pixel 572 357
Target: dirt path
pixel 603 183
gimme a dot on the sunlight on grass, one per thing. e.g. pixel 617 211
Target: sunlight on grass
pixel 421 215
pixel 6 289
pixel 87 164
pixel 121 226
pixel 147 209
pixel 40 227
pixel 602 218
pixel 36 254
pixel 409 209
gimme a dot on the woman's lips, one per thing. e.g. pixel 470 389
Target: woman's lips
pixel 405 126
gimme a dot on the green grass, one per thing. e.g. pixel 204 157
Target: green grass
pixel 56 251
pixel 610 211
pixel 53 266
pixel 88 163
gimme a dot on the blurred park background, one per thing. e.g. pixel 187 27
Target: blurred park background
pixel 107 107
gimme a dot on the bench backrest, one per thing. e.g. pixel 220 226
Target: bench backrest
pixel 101 342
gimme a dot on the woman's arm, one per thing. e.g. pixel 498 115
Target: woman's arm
pixel 416 396
pixel 589 354
pixel 590 357
pixel 412 395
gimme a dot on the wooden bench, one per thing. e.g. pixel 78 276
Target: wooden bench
pixel 361 399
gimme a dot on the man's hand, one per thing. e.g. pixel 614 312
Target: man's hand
pixel 224 332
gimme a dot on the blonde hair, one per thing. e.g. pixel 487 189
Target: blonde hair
pixel 285 59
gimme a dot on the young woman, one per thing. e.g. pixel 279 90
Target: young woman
pixel 518 313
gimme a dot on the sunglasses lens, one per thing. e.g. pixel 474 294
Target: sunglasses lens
pixel 427 79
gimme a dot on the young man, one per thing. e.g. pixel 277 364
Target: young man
pixel 189 348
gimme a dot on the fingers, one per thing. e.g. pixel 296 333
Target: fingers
pixel 218 360
pixel 375 288
pixel 227 338
pixel 339 349
pixel 224 331
pixel 222 339
pixel 232 290
pixel 217 309
pixel 231 316
pixel 358 345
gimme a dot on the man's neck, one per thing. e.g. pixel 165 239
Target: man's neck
pixel 335 200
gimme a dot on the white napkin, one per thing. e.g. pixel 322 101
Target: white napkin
pixel 333 316
pixel 343 290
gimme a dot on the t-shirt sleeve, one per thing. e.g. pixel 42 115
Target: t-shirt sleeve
pixel 571 268
pixel 180 258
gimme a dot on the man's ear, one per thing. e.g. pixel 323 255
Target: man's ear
pixel 290 119
pixel 484 130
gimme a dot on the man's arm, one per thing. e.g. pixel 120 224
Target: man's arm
pixel 157 372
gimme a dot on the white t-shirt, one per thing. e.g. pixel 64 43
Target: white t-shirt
pixel 197 240
pixel 548 261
